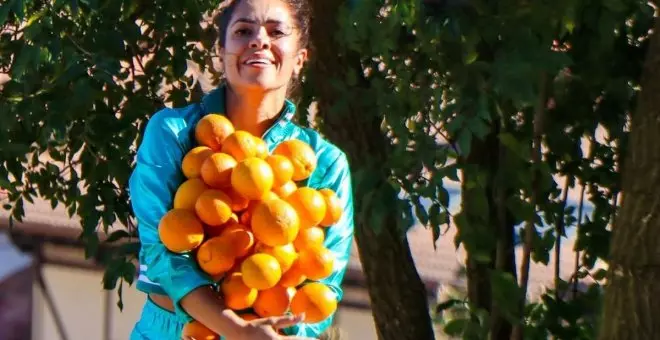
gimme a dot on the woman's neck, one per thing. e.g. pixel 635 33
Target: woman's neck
pixel 253 112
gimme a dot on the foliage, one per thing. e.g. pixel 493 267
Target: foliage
pixel 502 97
pixel 85 76
pixel 541 90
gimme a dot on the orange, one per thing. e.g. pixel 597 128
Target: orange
pixel 238 202
pixel 249 316
pixel 333 206
pixel 269 196
pixel 261 149
pixel 316 300
pixel 309 238
pixel 188 192
pixel 317 263
pixel 236 294
pixel 275 222
pixel 191 164
pixel 213 231
pixel 261 271
pixel 215 256
pixel 294 276
pixel 240 145
pixel 246 215
pixel 285 254
pixel 285 189
pixel 252 178
pixel 301 155
pixel 234 218
pixel 216 170
pixel 291 291
pixel 180 230
pixel 309 204
pixel 197 331
pixel 282 169
pixel 272 302
pixel 236 268
pixel 241 239
pixel 213 207
pixel 212 130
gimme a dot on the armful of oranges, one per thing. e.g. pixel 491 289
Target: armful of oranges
pixel 244 219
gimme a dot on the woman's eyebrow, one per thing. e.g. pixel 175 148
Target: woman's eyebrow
pixel 252 21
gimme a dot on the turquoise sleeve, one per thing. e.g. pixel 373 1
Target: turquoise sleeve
pixel 152 185
pixel 339 239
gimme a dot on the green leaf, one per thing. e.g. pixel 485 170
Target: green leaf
pixel 18 8
pixel 506 293
pixel 456 327
pixel 117 235
pixel 120 301
pixel 600 274
pixel 28 56
pixel 436 219
pixel 478 127
pixel 508 140
pixel 4 11
pixel 447 305
pixel 464 142
pixel 420 212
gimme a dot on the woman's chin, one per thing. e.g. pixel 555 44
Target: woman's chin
pixel 257 83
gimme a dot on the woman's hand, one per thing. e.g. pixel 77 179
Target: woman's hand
pixel 266 328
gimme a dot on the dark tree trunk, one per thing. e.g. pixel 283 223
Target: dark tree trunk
pixel 496 225
pixel 398 297
pixel 632 298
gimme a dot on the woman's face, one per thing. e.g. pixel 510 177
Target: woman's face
pixel 262 49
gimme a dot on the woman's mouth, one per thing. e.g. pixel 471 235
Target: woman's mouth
pixel 258 62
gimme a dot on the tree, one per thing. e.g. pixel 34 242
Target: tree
pixel 398 296
pixel 633 284
pixel 84 78
pixel 499 96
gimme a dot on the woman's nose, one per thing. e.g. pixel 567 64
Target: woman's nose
pixel 261 40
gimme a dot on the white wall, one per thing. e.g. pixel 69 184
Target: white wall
pixel 81 301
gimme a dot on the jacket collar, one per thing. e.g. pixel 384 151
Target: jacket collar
pixel 214 102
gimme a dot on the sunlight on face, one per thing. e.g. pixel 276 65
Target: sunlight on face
pixel 261 49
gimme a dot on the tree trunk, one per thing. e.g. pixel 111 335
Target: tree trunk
pixel 498 223
pixel 398 297
pixel 632 298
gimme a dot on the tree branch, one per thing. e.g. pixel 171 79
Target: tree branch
pixel 530 228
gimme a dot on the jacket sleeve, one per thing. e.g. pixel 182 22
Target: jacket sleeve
pixel 152 185
pixel 339 239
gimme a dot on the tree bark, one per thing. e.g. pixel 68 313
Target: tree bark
pixel 497 225
pixel 398 297
pixel 632 297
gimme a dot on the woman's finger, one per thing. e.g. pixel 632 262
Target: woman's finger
pixel 285 321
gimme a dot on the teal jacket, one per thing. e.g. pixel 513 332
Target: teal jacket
pixel 169 135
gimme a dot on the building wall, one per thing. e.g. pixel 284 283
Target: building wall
pixel 81 303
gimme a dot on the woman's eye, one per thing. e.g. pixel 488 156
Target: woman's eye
pixel 243 31
pixel 277 33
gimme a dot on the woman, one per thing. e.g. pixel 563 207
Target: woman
pixel 262 44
